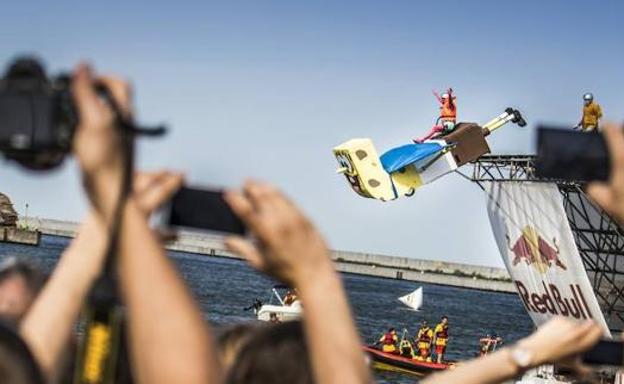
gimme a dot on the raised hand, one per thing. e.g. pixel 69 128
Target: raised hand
pixel 610 195
pixel 152 189
pixel 97 141
pixel 289 246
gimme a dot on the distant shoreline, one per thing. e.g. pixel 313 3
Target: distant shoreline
pixel 392 267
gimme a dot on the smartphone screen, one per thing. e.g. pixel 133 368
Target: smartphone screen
pixel 568 155
pixel 606 352
pixel 204 210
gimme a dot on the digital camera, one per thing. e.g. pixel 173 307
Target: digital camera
pixel 37 115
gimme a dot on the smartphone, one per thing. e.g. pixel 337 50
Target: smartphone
pixel 606 352
pixel 201 209
pixel 563 154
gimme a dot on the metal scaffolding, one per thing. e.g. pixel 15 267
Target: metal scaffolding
pixel 599 239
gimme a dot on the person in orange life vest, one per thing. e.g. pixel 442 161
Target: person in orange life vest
pixel 441 337
pixel 448 116
pixel 389 340
pixel 406 349
pixel 423 342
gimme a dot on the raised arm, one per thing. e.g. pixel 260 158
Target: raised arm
pixel 48 325
pixel 169 339
pixel 560 340
pixel 290 248
pixel 437 96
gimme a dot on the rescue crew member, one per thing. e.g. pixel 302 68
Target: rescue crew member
pixel 406 349
pixel 448 116
pixel 489 343
pixel 441 337
pixel 423 342
pixel 389 340
pixel 591 114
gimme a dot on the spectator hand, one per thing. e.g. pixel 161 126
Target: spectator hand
pixel 289 247
pixel 610 195
pixel 153 189
pixel 97 142
pixel 561 341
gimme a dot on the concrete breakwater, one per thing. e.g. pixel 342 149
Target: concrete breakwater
pixel 393 267
pixel 19 235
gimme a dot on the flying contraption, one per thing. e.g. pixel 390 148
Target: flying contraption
pixel 402 170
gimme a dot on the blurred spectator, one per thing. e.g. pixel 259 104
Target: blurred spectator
pixel 273 354
pixel 231 340
pixel 20 283
pixel 17 364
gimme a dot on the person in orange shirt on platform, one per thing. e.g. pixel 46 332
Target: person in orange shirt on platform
pixel 592 113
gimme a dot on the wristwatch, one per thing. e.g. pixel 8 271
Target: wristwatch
pixel 521 357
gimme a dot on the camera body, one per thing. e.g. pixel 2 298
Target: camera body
pixel 38 117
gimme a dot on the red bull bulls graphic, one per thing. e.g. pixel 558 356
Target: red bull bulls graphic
pixel 532 249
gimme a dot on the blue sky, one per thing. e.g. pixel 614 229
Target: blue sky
pixel 265 89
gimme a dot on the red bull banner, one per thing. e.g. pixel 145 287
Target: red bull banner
pixel 534 238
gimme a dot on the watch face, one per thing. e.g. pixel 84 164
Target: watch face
pixel 522 357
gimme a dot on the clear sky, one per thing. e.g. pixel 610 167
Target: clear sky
pixel 267 88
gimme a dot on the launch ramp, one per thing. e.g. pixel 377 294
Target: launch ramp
pixel 599 239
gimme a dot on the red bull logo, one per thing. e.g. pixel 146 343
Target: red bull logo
pixel 568 301
pixel 532 249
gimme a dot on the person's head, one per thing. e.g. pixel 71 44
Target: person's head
pixel 424 324
pixel 445 96
pixel 231 340
pixel 444 320
pixel 20 284
pixel 588 98
pixel 17 364
pixel 391 330
pixel 273 354
pixel 273 317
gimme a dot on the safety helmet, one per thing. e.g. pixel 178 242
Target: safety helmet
pixel 445 96
pixel 588 97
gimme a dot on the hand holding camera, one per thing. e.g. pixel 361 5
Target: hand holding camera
pixel 97 140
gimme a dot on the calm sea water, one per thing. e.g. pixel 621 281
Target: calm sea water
pixel 224 287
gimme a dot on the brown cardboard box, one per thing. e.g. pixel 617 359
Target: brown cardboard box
pixel 470 143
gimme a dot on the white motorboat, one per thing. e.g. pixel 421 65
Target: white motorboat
pixel 284 308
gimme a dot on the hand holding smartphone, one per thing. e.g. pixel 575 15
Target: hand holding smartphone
pixel 606 352
pixel 201 210
pixel 568 155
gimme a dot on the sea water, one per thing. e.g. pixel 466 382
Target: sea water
pixel 224 287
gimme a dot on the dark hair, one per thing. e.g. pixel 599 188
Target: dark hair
pixel 274 354
pixel 444 317
pixel 17 363
pixel 391 329
pixel 232 339
pixel 34 278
